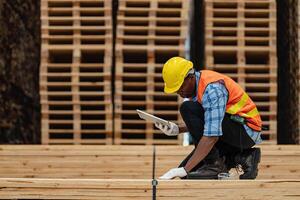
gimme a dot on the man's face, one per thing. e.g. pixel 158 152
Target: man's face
pixel 187 88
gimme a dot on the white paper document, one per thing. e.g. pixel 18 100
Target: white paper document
pixel 152 118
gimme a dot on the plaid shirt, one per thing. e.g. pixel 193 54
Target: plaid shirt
pixel 214 102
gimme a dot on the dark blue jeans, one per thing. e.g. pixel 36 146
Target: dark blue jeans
pixel 234 139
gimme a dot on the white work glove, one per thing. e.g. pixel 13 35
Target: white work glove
pixel 171 130
pixel 173 173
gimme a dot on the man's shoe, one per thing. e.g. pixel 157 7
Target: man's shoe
pixel 249 160
pixel 230 162
pixel 209 170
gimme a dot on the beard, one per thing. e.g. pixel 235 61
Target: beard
pixel 188 91
pixel 187 94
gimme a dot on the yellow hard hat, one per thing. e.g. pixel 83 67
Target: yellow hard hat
pixel 174 72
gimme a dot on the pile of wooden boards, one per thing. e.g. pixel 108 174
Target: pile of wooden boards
pixel 124 162
pixel 125 172
pixel 113 189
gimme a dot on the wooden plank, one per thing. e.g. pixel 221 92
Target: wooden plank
pixel 128 189
pixel 94 161
pixel 74 189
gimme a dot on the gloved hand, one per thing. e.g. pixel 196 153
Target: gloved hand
pixel 171 130
pixel 173 173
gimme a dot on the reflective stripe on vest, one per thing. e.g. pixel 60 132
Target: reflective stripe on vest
pixel 236 107
pixel 251 113
pixel 239 103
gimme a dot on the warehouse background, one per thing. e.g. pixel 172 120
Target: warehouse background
pixel 73 72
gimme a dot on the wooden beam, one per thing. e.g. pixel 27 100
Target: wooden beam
pixel 138 189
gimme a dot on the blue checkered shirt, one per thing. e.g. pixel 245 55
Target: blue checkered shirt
pixel 214 102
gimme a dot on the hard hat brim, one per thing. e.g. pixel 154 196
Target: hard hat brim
pixel 172 90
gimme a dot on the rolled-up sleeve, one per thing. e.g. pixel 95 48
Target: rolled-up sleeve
pixel 214 103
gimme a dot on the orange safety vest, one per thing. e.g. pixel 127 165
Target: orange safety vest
pixel 239 103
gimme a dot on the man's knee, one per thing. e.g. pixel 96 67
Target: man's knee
pixel 185 107
pixel 193 115
pixel 189 108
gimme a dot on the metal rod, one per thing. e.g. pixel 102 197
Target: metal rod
pixel 153 163
pixel 154 181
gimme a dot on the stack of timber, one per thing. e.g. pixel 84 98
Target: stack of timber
pixel 75 72
pixel 149 32
pixel 124 172
pixel 125 162
pixel 240 40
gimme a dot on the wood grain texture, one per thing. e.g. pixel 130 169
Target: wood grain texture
pixel 141 189
pixel 124 162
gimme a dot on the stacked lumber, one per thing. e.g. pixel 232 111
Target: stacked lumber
pixel 75 72
pixel 124 162
pixel 149 32
pixel 16 188
pixel 240 40
pixel 124 172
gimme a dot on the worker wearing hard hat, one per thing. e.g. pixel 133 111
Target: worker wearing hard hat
pixel 222 119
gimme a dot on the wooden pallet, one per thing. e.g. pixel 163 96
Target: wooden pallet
pixel 148 34
pixel 152 25
pixel 75 75
pixel 124 161
pixel 140 86
pixel 241 43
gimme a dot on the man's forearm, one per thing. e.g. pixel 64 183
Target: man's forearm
pixel 203 148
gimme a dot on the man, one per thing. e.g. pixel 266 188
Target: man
pixel 222 119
